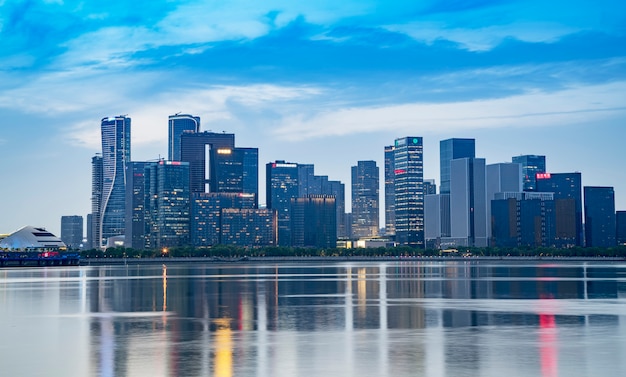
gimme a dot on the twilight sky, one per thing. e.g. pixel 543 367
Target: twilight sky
pixel 322 82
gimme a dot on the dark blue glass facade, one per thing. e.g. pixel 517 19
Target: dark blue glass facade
pixel 531 166
pixel 196 149
pixel 409 191
pixel 567 189
pixel 314 221
pixel 177 125
pixel 599 216
pixel 282 186
pixel 449 150
pixel 365 197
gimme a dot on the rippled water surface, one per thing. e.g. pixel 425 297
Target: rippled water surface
pixel 304 319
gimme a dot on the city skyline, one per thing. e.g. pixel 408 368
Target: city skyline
pixel 324 84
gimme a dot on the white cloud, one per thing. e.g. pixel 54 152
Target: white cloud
pixel 483 38
pixel 581 104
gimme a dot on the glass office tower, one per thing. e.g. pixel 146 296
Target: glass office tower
pixel 409 191
pixel 449 150
pixel 177 125
pixel 365 192
pixel 599 216
pixel 531 166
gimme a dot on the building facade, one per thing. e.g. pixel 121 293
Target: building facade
pixel 135 205
pixel 94 235
pixel 468 202
pixel 409 191
pixel 176 126
pixel 531 166
pixel 449 150
pixel 248 227
pixel 167 204
pixel 314 221
pixel 115 156
pixel 72 231
pixel 599 216
pixel 567 189
pixel 365 194
pixel 197 149
pixel 620 224
pixel 390 193
pixel 282 185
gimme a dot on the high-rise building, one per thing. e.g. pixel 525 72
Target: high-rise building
pixel 430 187
pixel 567 189
pixel 115 157
pixel 502 177
pixel 314 221
pixel 468 202
pixel 409 191
pixel 248 227
pixel 235 170
pixel 72 231
pixel 94 235
pixel 177 125
pixel 282 186
pixel 620 224
pixel 365 192
pixel 599 216
pixel 135 205
pixel 167 204
pixel 523 219
pixel 531 166
pixel 206 214
pixel 436 220
pixel 197 149
pixel 390 193
pixel 449 150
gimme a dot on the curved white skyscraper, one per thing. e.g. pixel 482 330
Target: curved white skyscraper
pixel 115 158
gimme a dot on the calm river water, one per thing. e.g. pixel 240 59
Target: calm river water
pixel 304 319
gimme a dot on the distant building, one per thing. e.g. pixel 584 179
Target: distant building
pixel 523 219
pixel 409 191
pixel 135 205
pixel 30 238
pixel 365 192
pixel 449 150
pixel 72 231
pixel 531 166
pixel 390 194
pixel 314 221
pixel 567 189
pixel 430 188
pixel 436 220
pixel 620 221
pixel 167 204
pixel 197 149
pixel 177 125
pixel 468 202
pixel 206 214
pixel 235 170
pixel 94 232
pixel 599 216
pixel 282 186
pixel 502 177
pixel 110 220
pixel 249 227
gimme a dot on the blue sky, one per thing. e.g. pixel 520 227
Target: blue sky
pixel 322 82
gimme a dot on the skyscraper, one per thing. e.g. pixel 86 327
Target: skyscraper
pixel 281 187
pixel 449 150
pixel 409 191
pixel 94 235
pixel 620 224
pixel 531 166
pixel 248 227
pixel 501 177
pixel 313 221
pixel 72 231
pixel 599 216
pixel 115 157
pixel 135 205
pixel 177 125
pixel 167 204
pixel 468 202
pixel 365 191
pixel 567 189
pixel 390 193
pixel 197 149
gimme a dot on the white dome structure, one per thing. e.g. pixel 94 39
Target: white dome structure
pixel 30 238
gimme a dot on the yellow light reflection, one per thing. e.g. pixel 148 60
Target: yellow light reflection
pixel 164 292
pixel 362 291
pixel 223 348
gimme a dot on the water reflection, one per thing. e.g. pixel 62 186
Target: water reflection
pixel 366 319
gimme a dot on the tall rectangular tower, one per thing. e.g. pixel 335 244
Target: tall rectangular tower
pixel 390 193
pixel 135 205
pixel 409 191
pixel 468 202
pixel 531 166
pixel 282 186
pixel 599 216
pixel 94 235
pixel 72 231
pixel 177 125
pixel 115 157
pixel 196 149
pixel 567 189
pixel 449 150
pixel 365 192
